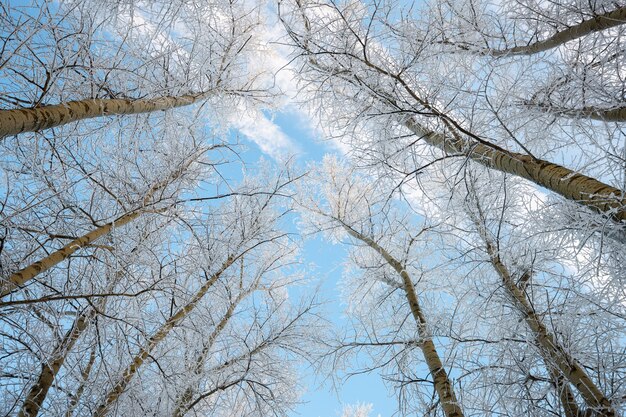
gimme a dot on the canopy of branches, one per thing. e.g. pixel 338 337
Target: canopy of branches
pixel 467 156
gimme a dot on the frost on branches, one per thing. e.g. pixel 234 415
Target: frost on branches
pixel 152 263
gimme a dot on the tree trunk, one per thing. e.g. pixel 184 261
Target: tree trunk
pixel 442 383
pixel 183 401
pixel 568 401
pixel 585 190
pixel 161 333
pixel 81 388
pixel 549 346
pixel 13 122
pixel 49 369
pixel 595 24
pixel 24 275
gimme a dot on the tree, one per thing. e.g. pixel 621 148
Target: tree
pixel 347 200
pixel 559 361
pixel 579 84
pixel 78 61
pixel 183 281
pixel 146 205
pixel 116 252
pixel 400 102
pixel 491 280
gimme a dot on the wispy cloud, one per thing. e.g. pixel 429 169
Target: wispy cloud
pixel 266 134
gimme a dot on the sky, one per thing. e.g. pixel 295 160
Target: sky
pixel 275 136
pixel 324 265
pixel 289 130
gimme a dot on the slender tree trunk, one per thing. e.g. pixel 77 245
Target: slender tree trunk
pixel 187 396
pixel 566 397
pixel 585 190
pixel 13 122
pixel 615 114
pixel 550 347
pixel 49 369
pixel 24 275
pixel 595 24
pixel 120 386
pixel 84 379
pixel 442 383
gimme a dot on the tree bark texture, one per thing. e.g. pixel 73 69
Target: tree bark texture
pixel 49 369
pixel 16 121
pixel 585 190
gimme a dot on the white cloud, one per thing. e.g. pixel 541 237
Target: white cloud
pixel 266 134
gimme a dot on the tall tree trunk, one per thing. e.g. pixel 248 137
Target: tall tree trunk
pixel 615 114
pixel 442 383
pixel 155 339
pixel 585 190
pixel 49 369
pixel 83 384
pixel 186 397
pixel 13 122
pixel 595 24
pixel 549 346
pixel 566 397
pixel 25 274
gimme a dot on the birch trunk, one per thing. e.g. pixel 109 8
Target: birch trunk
pixel 585 190
pixel 38 392
pixel 49 370
pixel 85 378
pixel 617 114
pixel 153 342
pixel 595 24
pixel 550 348
pixel 442 383
pixel 183 401
pixel 568 401
pixel 13 122
pixel 24 275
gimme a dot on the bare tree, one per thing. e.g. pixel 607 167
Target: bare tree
pixel 397 95
pixel 582 41
pixel 346 200
pixel 558 360
pixel 85 60
pixel 147 205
